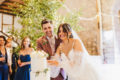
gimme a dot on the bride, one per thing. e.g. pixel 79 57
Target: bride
pixel 73 57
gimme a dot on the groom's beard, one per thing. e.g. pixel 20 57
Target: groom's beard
pixel 49 34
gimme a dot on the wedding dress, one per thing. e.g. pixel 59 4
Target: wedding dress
pixel 78 65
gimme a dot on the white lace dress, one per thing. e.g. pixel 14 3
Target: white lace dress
pixel 78 66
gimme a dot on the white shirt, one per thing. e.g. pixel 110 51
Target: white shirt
pixel 52 43
pixel 9 53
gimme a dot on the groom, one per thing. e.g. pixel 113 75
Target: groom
pixel 49 43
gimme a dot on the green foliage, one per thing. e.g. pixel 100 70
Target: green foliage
pixel 31 14
pixel 34 11
pixel 72 19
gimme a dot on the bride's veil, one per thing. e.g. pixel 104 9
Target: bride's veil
pixel 86 56
pixel 75 36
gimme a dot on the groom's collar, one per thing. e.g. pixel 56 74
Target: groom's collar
pixel 54 36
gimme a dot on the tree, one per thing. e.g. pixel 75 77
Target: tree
pixel 32 12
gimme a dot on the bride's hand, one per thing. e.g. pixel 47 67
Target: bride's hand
pixel 19 62
pixel 53 62
pixel 22 64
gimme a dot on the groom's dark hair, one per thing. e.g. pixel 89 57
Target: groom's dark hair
pixel 45 21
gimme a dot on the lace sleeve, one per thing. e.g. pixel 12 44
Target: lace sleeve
pixel 78 58
pixel 75 59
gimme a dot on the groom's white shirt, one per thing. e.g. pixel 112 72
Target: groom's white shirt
pixel 52 43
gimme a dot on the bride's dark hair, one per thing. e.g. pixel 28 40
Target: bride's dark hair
pixel 66 29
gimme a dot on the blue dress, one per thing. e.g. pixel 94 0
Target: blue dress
pixel 3 67
pixel 14 65
pixel 23 73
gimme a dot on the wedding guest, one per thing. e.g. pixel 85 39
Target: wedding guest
pixel 9 53
pixel 3 59
pixel 23 71
pixel 12 58
pixel 14 64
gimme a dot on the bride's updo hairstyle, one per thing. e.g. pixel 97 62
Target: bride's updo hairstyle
pixel 66 29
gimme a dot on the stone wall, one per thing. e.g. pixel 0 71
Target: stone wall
pixel 91 33
pixel 116 21
pixel 108 32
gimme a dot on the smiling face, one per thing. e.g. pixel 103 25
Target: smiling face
pixel 26 42
pixel 2 42
pixel 48 29
pixel 9 42
pixel 62 33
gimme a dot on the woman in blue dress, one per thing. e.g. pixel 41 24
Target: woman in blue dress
pixel 3 59
pixel 23 71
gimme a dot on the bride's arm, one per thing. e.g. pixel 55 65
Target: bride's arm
pixel 77 46
pixel 78 53
pixel 58 50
